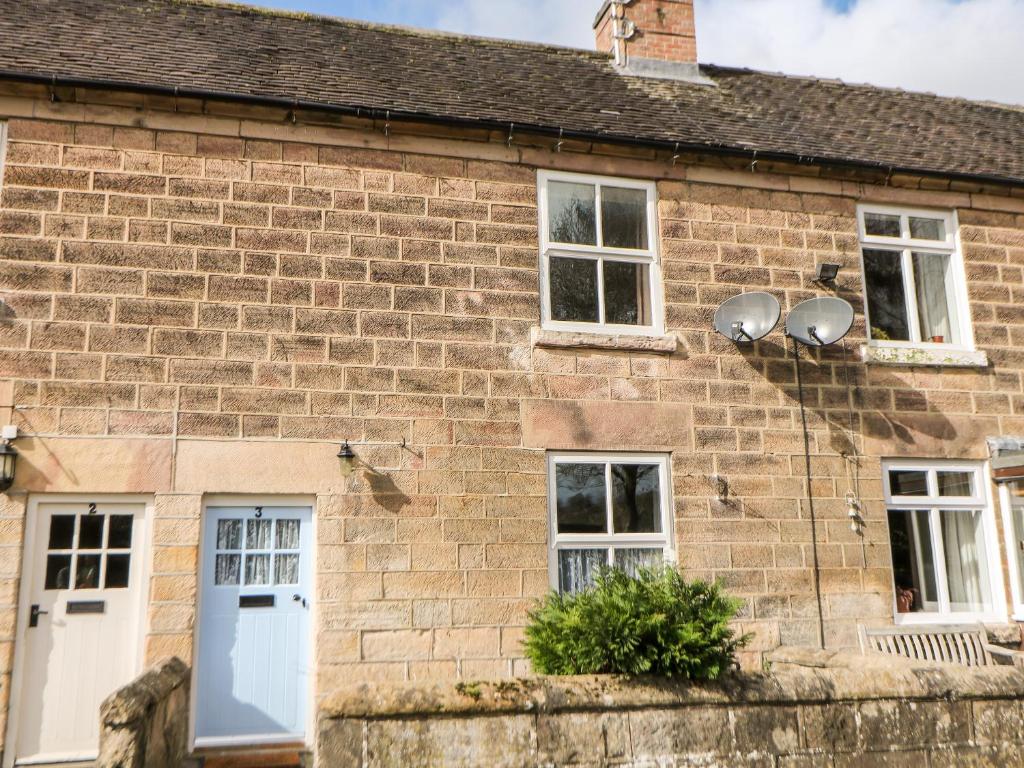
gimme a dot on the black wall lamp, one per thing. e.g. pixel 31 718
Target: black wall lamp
pixel 8 457
pixel 826 273
pixel 348 457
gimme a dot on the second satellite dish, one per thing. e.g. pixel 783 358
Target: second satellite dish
pixel 820 322
pixel 748 316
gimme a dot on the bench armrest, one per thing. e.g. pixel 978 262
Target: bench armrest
pixel 1006 656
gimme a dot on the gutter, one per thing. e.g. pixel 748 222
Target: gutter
pixel 376 113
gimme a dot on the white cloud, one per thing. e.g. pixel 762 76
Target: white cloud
pixel 564 22
pixel 970 48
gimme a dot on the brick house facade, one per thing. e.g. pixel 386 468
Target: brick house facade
pixel 203 300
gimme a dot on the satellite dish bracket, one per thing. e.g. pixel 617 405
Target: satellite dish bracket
pixel 738 332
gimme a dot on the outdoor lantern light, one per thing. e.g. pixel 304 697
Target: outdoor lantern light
pixel 348 460
pixel 826 273
pixel 8 458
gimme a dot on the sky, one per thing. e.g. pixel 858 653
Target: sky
pixel 968 48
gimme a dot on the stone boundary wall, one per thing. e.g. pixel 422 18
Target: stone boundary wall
pixel 837 710
pixel 145 724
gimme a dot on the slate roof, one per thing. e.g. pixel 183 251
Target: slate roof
pixel 201 47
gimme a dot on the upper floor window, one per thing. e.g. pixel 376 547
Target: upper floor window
pixel 914 281
pixel 599 254
pixel 942 535
pixel 607 510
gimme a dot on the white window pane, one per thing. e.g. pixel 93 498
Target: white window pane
pixel 887 302
pixel 927 229
pixel 1017 513
pixel 965 554
pixel 580 498
pixel 578 567
pixel 936 305
pixel 627 293
pixel 882 225
pixel 229 534
pixel 257 534
pixel 287 534
pixel 572 214
pixel 227 569
pixel 632 560
pixel 636 498
pixel 574 290
pixel 624 217
pixel 913 561
pixel 956 483
pixel 257 569
pixel 908 482
pixel 286 569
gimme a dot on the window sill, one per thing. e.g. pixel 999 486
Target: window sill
pixel 947 619
pixel 541 337
pixel 924 357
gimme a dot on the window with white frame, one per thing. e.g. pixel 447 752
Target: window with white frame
pixel 914 280
pixel 1013 524
pixel 607 510
pixel 599 254
pixel 941 533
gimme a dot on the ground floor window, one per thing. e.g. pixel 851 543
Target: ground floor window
pixel 1013 506
pixel 941 531
pixel 607 510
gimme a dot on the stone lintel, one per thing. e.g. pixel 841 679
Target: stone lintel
pixel 596 425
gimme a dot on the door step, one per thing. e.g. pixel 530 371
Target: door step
pixel 291 757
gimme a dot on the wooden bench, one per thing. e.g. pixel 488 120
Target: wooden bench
pixel 966 645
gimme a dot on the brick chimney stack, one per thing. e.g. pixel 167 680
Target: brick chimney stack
pixel 648 34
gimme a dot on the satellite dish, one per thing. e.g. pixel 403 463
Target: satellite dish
pixel 748 317
pixel 820 322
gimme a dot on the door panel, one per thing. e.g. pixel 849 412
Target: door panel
pixel 252 674
pixel 86 578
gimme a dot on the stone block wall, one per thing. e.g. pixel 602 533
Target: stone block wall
pixel 834 717
pixel 188 296
pixel 146 723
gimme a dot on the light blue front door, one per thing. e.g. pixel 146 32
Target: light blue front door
pixel 252 674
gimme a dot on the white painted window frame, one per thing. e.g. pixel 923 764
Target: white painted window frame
pixel 559 541
pixel 1014 557
pixel 907 245
pixel 935 504
pixel 598 253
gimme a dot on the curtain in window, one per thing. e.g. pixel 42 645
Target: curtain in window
pixel 932 297
pixel 965 552
pixel 632 560
pixel 577 568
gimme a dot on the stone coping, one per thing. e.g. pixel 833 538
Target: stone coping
pixel 541 337
pixel 839 677
pixel 130 704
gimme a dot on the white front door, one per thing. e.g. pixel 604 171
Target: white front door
pixel 81 626
pixel 253 668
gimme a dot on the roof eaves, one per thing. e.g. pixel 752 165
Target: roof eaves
pixel 748 150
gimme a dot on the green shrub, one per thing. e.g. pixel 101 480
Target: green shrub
pixel 656 623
